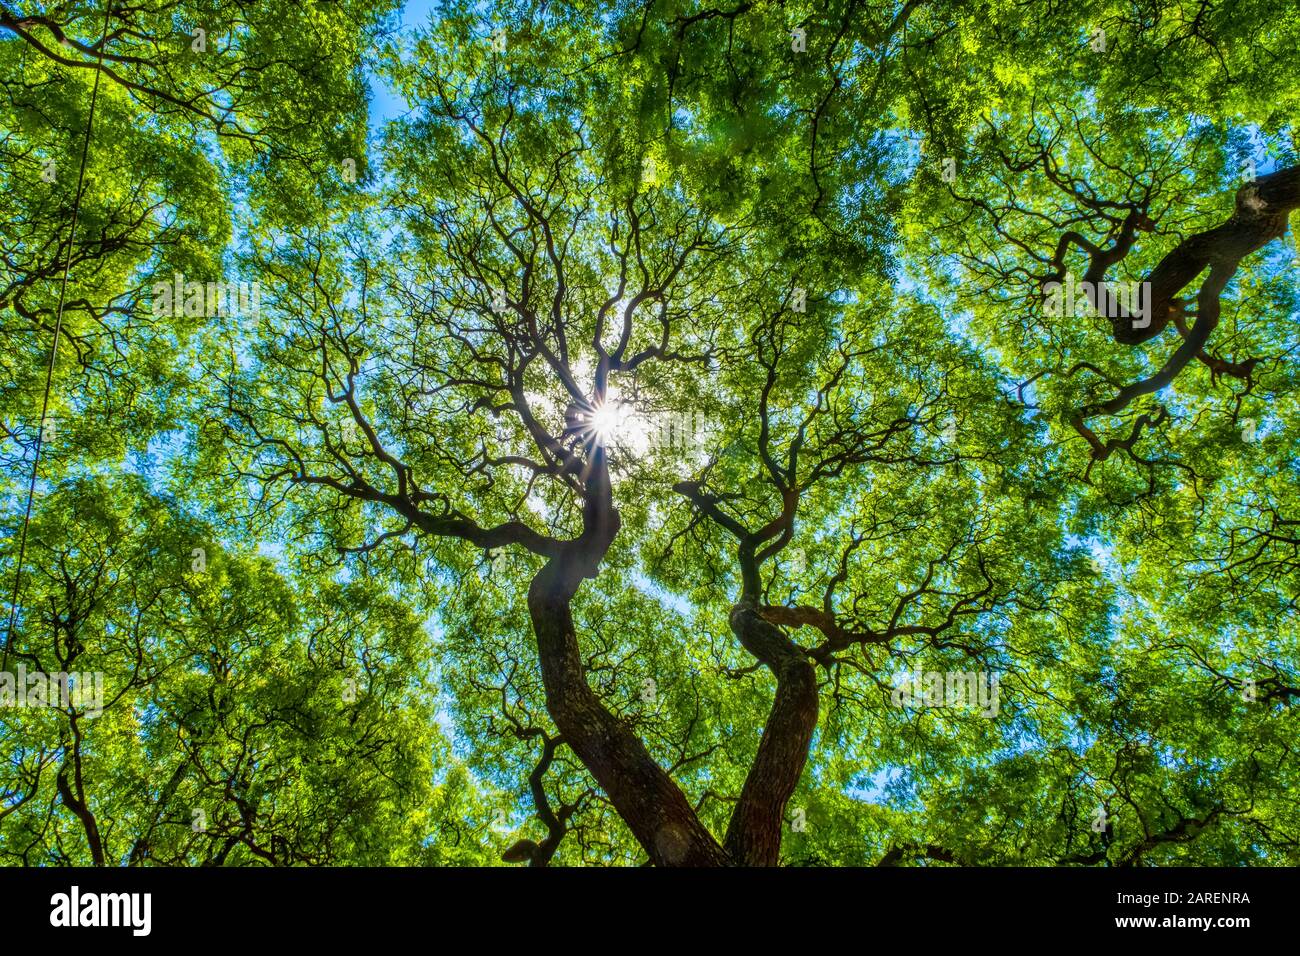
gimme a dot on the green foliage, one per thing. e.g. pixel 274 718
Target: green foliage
pixel 882 443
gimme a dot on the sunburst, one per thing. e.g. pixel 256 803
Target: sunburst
pixel 607 423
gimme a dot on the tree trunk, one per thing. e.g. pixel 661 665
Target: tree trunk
pixel 754 834
pixel 648 800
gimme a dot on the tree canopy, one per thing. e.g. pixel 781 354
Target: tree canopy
pixel 745 434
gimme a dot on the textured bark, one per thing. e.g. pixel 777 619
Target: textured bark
pixel 754 833
pixel 755 829
pixel 1261 214
pixel 648 800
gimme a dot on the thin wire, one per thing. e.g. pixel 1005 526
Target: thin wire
pixel 58 330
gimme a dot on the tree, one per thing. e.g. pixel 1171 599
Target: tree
pixel 686 400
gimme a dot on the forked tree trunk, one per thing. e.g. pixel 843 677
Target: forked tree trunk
pixel 754 834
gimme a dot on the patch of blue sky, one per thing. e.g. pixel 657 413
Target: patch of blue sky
pixel 1099 550
pixel 385 102
pixel 890 786
pixel 1078 738
pixel 670 601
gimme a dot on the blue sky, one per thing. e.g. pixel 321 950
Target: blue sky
pixel 385 104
